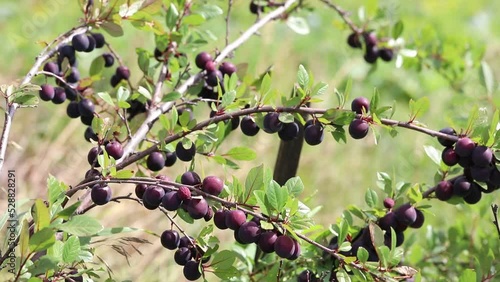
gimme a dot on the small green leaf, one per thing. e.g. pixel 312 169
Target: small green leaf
pixel 71 249
pixel 24 238
pixel 124 174
pixel 81 225
pixel 228 98
pixel 241 154
pixel 286 117
pixel 433 154
pixel 96 66
pixel 143 60
pixel 42 239
pixel 122 94
pixel 26 100
pixel 144 92
pixel 172 16
pixel 487 77
pixel 112 29
pixel 265 86
pixel 193 19
pixel 397 30
pixel 371 198
pixel 375 100
pixel 69 211
pixel 106 97
pixel 302 77
pixel 319 89
pixel 362 254
pixel 419 107
pixel 42 216
pixel 298 24
pixel 339 117
pixel 172 96
pixel 209 11
pixel 56 188
pixel 253 182
pixel 414 194
pixel 277 196
pixel 294 186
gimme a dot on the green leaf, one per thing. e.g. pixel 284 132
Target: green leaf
pixel 42 216
pixel 116 230
pixel 172 16
pixel 172 96
pixel 414 194
pixel 277 196
pixel 144 92
pixel 26 100
pixel 433 154
pixel 302 77
pixel 106 97
pixel 265 86
pixel 362 254
pixel 228 98
pixel 24 239
pixel 487 77
pixel 42 265
pixel 339 117
pixel 143 60
pixel 374 101
pixel 342 276
pixel 69 211
pixel 96 66
pixel 467 275
pixel 343 230
pixel 298 24
pixel 56 190
pixel 319 89
pixel 294 186
pixel 123 174
pixel 419 107
pixel 122 94
pixel 241 154
pixel 253 182
pixel 209 11
pixel 397 30
pixel 81 225
pixel 42 239
pixel 371 198
pixel 223 262
pixel 71 249
pixel 193 19
pixel 112 29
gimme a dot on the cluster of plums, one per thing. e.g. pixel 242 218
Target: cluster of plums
pixel 157 160
pixel 371 44
pixel 358 128
pixel 80 106
pixel 186 253
pixel 399 219
pixel 248 232
pixel 478 163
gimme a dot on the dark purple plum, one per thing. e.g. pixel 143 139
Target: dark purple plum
pixel 386 54
pixel 444 190
pixel 449 156
pixel 192 270
pixel 359 104
pixel 289 131
pixel 371 54
pixel 389 203
pixel 182 255
pixel 86 108
pixel 185 155
pixel 482 156
pixel 91 44
pixel 72 110
pixel 267 240
pixel 447 142
pixel 153 196
pixel 307 275
pixel 248 126
pixel 474 195
pixel 123 72
pixel 214 78
pixel 140 189
pixel 313 134
pixel 73 76
pixel 59 96
pixel 284 246
pixel 464 147
pixel 461 186
pixel 92 156
pixel 249 232
pixel 170 239
pixel 197 208
pixel 209 215
pixel 190 178
pixel 220 219
pixel 227 68
pixel 213 185
pixel 170 159
pixel 481 174
pixel 202 59
pixel 80 42
pixel 109 60
pixel 235 218
pixel 171 201
pixel 100 194
pixel 90 134
pixel 87 120
pixel 71 93
pixel 114 149
pixel 358 128
pixel 419 222
pixel 115 80
pixel 99 39
pixel 47 92
pixel 354 41
pixel 406 214
pixel 155 161
pixel 51 67
pixel 272 124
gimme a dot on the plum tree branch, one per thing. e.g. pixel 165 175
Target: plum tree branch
pixel 12 107
pixel 154 114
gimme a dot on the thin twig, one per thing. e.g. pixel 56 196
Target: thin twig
pixel 494 209
pixel 229 6
pixel 344 15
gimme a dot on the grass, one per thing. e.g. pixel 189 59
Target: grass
pixel 336 174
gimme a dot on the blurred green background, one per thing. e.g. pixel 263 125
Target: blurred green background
pixel 45 142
